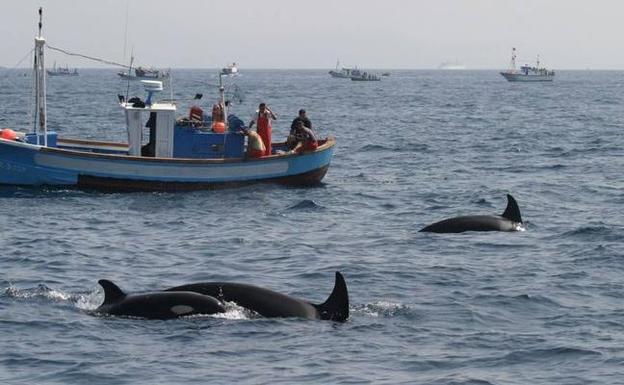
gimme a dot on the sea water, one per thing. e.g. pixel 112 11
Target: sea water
pixel 541 306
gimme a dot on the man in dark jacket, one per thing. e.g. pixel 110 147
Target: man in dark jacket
pixel 302 117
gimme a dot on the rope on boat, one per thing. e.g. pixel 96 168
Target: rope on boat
pixel 66 52
pixel 27 56
pixel 9 76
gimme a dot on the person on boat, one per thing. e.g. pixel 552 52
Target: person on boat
pixel 218 118
pixel 304 118
pixel 263 118
pixel 149 149
pixel 255 146
pixel 291 141
pixel 305 139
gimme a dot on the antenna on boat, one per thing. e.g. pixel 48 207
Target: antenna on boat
pixel 513 58
pixel 129 73
pixel 229 70
pixel 40 123
pixel 222 97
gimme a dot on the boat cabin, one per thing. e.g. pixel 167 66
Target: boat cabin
pixel 154 131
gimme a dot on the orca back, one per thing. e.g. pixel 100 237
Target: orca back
pixel 508 221
pixel 269 303
pixel 265 302
pixel 158 305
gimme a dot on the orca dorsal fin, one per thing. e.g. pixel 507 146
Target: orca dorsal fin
pixel 336 308
pixel 112 292
pixel 512 212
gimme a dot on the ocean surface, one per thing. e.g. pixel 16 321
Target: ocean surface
pixel 542 306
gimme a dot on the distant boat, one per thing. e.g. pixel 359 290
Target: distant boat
pixel 60 71
pixel 230 69
pixel 385 74
pixel 447 65
pixel 344 73
pixel 144 73
pixel 527 73
pixel 363 76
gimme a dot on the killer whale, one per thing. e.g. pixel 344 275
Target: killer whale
pixel 510 220
pixel 269 303
pixel 155 305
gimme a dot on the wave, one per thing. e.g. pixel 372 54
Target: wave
pixel 458 380
pixel 385 309
pixel 520 300
pixel 306 205
pixel 40 292
pixel 89 302
pixel 594 233
pixel 404 146
pixel 374 148
pixel 539 355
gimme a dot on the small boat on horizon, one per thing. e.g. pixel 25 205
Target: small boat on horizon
pixel 342 72
pixel 62 71
pixel 451 65
pixel 144 73
pixel 363 76
pixel 527 73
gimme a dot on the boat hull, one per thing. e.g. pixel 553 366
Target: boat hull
pixel 340 75
pixel 32 165
pixel 517 77
pixel 62 74
pixel 134 77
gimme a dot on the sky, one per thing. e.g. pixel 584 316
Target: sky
pixel 314 34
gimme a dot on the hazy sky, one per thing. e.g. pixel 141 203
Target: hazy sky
pixel 568 34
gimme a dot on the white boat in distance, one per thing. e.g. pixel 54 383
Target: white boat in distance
pixel 144 73
pixel 447 65
pixel 343 73
pixel 527 73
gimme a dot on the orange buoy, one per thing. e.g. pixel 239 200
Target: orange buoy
pixel 8 134
pixel 218 127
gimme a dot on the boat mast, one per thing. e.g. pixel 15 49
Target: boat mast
pixel 40 122
pixel 537 61
pixel 513 58
pixel 222 97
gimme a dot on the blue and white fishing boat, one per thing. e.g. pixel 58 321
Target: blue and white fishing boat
pixel 527 73
pixel 182 154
